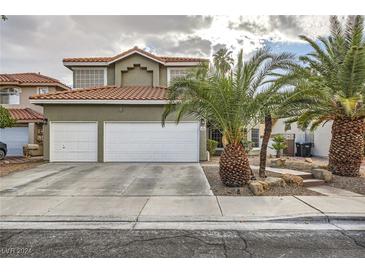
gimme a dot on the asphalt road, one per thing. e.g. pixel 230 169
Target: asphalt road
pixel 177 243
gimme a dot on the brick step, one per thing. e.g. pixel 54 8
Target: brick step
pixel 313 182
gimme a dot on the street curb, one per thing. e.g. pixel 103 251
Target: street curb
pixel 186 219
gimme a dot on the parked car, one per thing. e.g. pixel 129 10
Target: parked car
pixel 3 150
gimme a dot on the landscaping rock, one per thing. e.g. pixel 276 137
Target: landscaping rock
pixel 308 160
pixel 322 174
pixel 265 185
pixel 292 179
pixel 279 162
pixel 256 187
pixel 275 182
pixel 299 165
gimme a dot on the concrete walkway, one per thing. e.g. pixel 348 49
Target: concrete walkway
pixel 180 208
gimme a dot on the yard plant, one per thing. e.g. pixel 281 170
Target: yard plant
pixel 230 98
pixel 331 87
pixel 5 118
pixel 279 144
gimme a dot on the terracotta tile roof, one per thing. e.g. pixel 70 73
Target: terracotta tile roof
pixel 183 59
pixel 25 114
pixel 107 93
pixel 163 59
pixel 29 78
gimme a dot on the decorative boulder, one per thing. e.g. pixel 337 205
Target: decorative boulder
pixel 322 174
pixel 279 162
pixel 275 181
pixel 291 179
pixel 256 187
pixel 308 160
pixel 32 150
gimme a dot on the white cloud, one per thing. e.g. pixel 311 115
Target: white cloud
pixel 38 43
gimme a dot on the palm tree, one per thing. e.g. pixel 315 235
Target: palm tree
pixel 331 87
pixel 223 60
pixel 271 108
pixel 230 101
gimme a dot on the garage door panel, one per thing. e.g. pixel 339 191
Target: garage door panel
pixel 73 142
pixel 150 142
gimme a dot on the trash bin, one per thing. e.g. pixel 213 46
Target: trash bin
pixel 298 149
pixel 307 150
pixel 303 149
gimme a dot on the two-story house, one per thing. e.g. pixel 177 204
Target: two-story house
pixel 15 90
pixel 114 112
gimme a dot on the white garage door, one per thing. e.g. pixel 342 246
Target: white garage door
pixel 14 138
pixel 150 142
pixel 73 141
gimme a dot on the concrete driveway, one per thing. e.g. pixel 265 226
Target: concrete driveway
pixel 115 179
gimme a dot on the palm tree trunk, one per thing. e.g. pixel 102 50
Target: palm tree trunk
pixel 265 142
pixel 347 145
pixel 234 168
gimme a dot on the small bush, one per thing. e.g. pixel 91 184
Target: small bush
pixel 212 146
pixel 5 118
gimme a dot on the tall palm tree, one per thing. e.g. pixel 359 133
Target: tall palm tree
pixel 272 108
pixel 331 87
pixel 230 101
pixel 223 60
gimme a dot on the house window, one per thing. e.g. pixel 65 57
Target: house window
pixel 43 90
pixel 174 73
pixel 255 137
pixel 89 77
pixel 215 134
pixel 10 96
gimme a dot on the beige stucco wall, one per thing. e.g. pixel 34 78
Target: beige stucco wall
pixel 163 75
pixel 26 92
pixel 111 74
pixel 130 62
pixel 101 113
pixel 137 76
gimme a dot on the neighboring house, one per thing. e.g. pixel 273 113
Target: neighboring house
pixel 114 113
pixel 320 138
pixel 15 90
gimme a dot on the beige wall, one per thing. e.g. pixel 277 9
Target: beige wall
pixel 123 65
pixel 137 76
pixel 101 113
pixel 26 92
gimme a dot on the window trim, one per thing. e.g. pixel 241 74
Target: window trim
pixel 18 90
pixel 173 68
pixel 105 69
pixel 39 88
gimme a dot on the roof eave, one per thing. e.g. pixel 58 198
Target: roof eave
pixel 97 102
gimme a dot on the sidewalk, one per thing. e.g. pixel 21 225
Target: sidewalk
pixel 181 208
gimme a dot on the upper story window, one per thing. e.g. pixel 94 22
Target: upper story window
pixel 255 137
pixel 173 73
pixel 89 77
pixel 42 90
pixel 10 96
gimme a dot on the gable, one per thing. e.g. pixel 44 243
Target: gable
pixel 137 65
pixel 137 76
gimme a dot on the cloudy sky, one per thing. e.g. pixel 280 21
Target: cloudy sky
pixel 39 43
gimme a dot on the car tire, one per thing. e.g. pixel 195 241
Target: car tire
pixel 2 154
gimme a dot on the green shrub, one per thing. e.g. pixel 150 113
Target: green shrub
pixel 212 146
pixel 5 118
pixel 279 143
